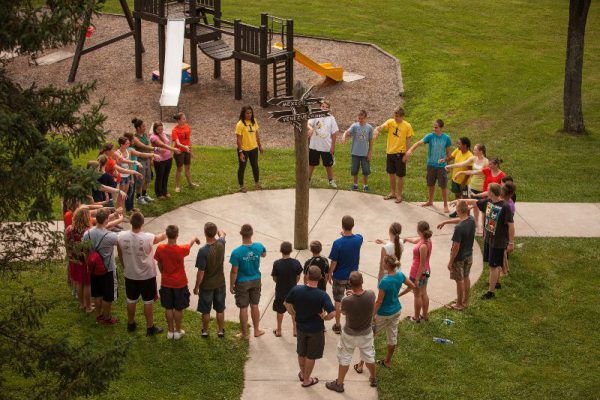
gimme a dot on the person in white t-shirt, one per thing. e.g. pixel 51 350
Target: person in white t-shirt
pixel 137 256
pixel 322 133
pixel 393 248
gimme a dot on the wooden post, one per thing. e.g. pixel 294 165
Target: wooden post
pixel 302 187
pixel 237 32
pixel 137 35
pixel 79 48
pixel 193 41
pixel 162 38
pixel 263 37
pixel 289 62
pixel 217 24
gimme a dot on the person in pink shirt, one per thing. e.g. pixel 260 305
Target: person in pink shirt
pixel 420 271
pixel 162 161
pixel 492 174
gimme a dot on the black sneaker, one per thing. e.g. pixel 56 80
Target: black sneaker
pixel 498 285
pixel 154 330
pixel 131 327
pixel 488 295
pixel 336 329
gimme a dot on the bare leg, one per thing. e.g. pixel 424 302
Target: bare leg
pixel 149 315
pixel 342 371
pixel 244 322
pixel 466 291
pixel 178 177
pixel 400 187
pixel 329 172
pixel 311 169
pixel 390 353
pixel 293 324
pixel 392 184
pixel 87 299
pixel 106 309
pixel 445 198
pixel 131 312
pixel 371 368
pixel 309 365
pixel 178 316
pixel 494 275
pixel 417 300
pixel 365 179
pixel 338 312
pixel 424 301
pixel 205 322
pixel 170 323
pixel 255 314
pixel 79 290
pixel 460 290
pixel 279 321
pixel 188 175
pixel 98 304
pixel 355 179
pixel 220 321
pixel 430 197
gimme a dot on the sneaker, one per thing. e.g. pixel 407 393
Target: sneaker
pixel 142 201
pixel 148 198
pixel 498 285
pixel 332 184
pixel 221 334
pixel 258 186
pixel 204 334
pixel 110 321
pixel 170 335
pixel 365 188
pixel 354 187
pixel 336 329
pixel 243 189
pixel 153 330
pixel 179 334
pixel 335 386
pixel 177 189
pixel 488 295
pixel 131 327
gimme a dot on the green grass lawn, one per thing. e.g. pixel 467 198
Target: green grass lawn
pixel 493 71
pixel 536 340
pixel 189 368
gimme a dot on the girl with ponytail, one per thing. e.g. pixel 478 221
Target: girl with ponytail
pixel 420 271
pixel 393 247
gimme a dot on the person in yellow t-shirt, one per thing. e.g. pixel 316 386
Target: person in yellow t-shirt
pixel 461 154
pixel 248 146
pixel 399 133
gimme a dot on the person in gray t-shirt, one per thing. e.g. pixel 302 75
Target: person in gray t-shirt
pixel 104 287
pixel 358 308
pixel 362 148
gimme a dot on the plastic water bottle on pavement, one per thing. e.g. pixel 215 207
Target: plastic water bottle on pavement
pixel 442 340
pixel 448 322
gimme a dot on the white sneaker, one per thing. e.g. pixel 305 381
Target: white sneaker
pixel 332 184
pixel 148 198
pixel 178 335
pixel 142 201
pixel 170 335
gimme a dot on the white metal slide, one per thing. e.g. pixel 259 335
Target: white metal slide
pixel 173 59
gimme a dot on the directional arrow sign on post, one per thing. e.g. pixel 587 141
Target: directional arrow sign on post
pixel 283 102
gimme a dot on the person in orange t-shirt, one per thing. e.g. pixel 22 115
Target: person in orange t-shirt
pixel 174 292
pixel 181 136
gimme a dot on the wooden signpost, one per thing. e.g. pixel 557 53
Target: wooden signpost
pixel 298 114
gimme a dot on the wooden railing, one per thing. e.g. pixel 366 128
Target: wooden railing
pixel 250 39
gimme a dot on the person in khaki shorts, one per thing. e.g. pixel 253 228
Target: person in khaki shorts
pixel 357 332
pixel 461 254
pixel 387 306
pixel 245 281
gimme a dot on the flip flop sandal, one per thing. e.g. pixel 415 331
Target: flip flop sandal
pixel 382 363
pixel 389 197
pixel 358 369
pixel 300 377
pixel 313 381
pixel 373 382
pixel 275 333
pixel 398 201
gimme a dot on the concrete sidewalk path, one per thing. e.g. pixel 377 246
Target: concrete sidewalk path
pixel 272 366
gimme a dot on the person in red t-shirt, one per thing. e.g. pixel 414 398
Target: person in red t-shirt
pixel 181 136
pixel 174 292
pixel 492 174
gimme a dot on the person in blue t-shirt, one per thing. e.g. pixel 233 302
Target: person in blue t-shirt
pixel 439 150
pixel 310 306
pixel 362 149
pixel 344 256
pixel 244 280
pixel 387 306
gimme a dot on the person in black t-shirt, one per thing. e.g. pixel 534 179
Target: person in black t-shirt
pixel 286 274
pixel 321 262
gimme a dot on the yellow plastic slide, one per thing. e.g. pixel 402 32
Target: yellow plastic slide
pixel 323 69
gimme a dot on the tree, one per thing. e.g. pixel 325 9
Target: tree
pixel 573 112
pixel 42 129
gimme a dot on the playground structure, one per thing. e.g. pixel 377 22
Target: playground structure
pixel 204 28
